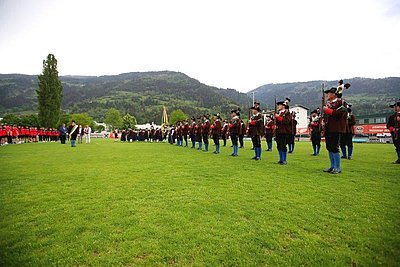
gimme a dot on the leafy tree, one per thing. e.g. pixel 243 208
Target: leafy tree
pixel 82 119
pixel 11 119
pixel 99 128
pixel 129 121
pixel 65 118
pixel 30 120
pixel 177 115
pixel 49 93
pixel 113 118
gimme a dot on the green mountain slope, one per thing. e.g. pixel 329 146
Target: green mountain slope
pixel 140 94
pixel 368 96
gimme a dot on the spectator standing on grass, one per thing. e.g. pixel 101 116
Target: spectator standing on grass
pixel 73 133
pixel 115 135
pixel 63 133
pixel 80 134
pixel 123 136
pixel 87 131
pixel 393 125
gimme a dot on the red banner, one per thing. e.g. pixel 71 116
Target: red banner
pixel 370 129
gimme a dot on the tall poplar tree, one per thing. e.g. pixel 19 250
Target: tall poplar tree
pixel 49 94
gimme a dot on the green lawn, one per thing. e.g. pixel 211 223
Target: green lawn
pixel 152 204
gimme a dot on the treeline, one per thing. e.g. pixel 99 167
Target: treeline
pixel 141 94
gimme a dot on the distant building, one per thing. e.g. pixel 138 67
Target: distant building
pixel 302 118
pixel 374 124
pixel 147 126
pixel 373 118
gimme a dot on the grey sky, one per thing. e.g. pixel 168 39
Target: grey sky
pixel 235 44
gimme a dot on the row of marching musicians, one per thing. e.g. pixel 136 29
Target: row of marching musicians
pixel 335 121
pixel 282 125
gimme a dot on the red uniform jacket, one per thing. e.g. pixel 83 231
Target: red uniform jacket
pixel 284 123
pixel 234 125
pixel 336 116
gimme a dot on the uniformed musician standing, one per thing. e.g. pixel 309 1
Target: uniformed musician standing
pixel 269 131
pixel 283 124
pixel 335 125
pixel 197 130
pixel 205 131
pixel 346 139
pixel 315 130
pixel 256 131
pixel 234 126
pixel 393 125
pixel 224 132
pixel 215 131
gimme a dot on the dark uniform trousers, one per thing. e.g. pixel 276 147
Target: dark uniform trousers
pixel 268 137
pixel 332 141
pixel 346 139
pixel 205 138
pixel 241 136
pixel 234 138
pixel 216 139
pixel 256 139
pixel 316 138
pixel 282 141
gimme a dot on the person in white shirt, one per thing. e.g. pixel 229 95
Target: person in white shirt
pixel 87 131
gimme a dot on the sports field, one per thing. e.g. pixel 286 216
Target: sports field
pixel 154 204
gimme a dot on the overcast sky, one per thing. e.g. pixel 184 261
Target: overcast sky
pixel 224 43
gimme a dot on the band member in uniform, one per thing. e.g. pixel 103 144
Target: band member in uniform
pixel 335 125
pixel 224 131
pixel 315 130
pixel 242 131
pixel 393 125
pixel 73 133
pixel 179 136
pixel 216 131
pixel 205 130
pixel 234 126
pixel 346 139
pixel 269 131
pixel 283 120
pixel 256 131
pixel 199 137
pixel 192 132
pixel 185 132
pixel 292 135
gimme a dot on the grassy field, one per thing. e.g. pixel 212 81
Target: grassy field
pixel 154 204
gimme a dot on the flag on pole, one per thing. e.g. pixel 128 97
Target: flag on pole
pixel 164 120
